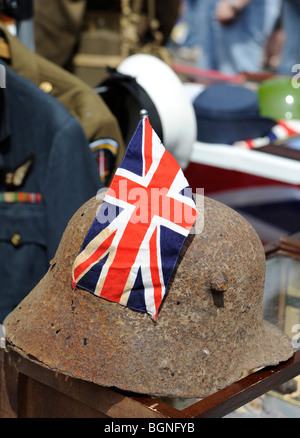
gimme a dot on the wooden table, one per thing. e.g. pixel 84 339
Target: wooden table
pixel 31 391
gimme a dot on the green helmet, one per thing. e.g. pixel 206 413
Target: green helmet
pixel 279 98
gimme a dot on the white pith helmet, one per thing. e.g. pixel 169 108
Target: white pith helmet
pixel 160 87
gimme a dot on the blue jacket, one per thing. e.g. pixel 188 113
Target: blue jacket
pixel 47 172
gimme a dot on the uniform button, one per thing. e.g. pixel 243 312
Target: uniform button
pixel 16 239
pixel 46 86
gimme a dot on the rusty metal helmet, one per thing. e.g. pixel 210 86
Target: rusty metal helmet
pixel 210 328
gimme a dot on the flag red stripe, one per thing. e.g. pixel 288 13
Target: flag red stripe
pixel 93 258
pixel 289 130
pixel 120 268
pixel 249 144
pixel 147 145
pixel 155 272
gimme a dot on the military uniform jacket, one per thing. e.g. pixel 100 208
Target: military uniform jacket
pixel 47 172
pixel 96 119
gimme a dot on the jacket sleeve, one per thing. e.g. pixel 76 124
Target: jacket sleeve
pixel 71 179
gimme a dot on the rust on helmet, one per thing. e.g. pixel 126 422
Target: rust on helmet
pixel 210 327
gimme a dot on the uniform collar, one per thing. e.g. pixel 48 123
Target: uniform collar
pixel 22 60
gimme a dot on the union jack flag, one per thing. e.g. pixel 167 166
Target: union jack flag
pixel 132 247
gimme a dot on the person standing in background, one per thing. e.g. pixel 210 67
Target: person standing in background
pixel 189 48
pixel 291 27
pixel 235 34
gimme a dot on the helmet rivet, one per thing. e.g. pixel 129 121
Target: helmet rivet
pixel 218 282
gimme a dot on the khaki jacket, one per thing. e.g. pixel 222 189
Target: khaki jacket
pixel 58 23
pixel 82 102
